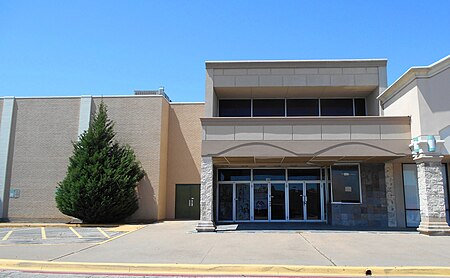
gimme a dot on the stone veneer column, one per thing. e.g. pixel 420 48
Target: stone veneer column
pixel 390 194
pixel 206 223
pixel 432 197
pixel 6 149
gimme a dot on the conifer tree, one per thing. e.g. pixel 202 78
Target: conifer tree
pixel 101 180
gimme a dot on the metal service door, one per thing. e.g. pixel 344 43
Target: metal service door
pixel 187 203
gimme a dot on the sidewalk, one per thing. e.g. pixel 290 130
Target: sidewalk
pixel 177 243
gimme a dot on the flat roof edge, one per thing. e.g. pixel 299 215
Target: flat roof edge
pixel 107 96
pixel 412 74
pixel 293 63
pixel 93 96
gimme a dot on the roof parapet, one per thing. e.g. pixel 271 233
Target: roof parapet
pixel 412 74
pixel 297 63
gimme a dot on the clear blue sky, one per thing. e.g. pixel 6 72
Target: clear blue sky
pixel 114 47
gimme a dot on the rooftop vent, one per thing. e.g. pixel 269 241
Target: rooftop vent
pixel 159 92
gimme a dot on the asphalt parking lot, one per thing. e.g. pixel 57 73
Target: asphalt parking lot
pixel 56 235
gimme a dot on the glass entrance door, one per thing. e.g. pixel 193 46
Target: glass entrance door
pixel 271 195
pixel 233 201
pixel 269 201
pixel 313 201
pixel 296 201
pixel 242 200
pixel 277 201
pixel 305 201
pixel 261 201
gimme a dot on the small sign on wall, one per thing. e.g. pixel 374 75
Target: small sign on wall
pixel 348 189
pixel 14 193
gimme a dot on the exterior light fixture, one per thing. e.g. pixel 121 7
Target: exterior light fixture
pixel 416 144
pixel 431 143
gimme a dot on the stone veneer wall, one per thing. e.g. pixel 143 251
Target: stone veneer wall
pixel 372 212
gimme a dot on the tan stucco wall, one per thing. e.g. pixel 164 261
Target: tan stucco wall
pixel 140 123
pixel 426 100
pixel 185 138
pixel 42 146
pixel 434 104
pixel 406 103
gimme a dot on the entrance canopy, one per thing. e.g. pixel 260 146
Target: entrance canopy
pixel 296 160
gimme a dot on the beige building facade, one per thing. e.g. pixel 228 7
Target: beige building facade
pixel 165 136
pixel 317 141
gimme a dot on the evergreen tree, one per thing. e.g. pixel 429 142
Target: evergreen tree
pixel 101 180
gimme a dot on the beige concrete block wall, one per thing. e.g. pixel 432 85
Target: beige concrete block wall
pixel 184 152
pixel 296 76
pixel 44 131
pixel 139 122
pixel 163 160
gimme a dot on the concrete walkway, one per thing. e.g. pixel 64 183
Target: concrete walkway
pixel 176 242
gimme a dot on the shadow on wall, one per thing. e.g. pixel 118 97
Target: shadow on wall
pixel 7 186
pixel 436 94
pixel 181 156
pixel 148 208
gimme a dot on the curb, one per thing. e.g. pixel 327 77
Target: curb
pixel 62 225
pixel 218 270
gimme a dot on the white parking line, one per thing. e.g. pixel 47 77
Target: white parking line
pixel 7 235
pixel 103 233
pixel 75 232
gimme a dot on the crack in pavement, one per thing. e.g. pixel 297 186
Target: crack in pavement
pixel 207 252
pixel 74 252
pixel 317 249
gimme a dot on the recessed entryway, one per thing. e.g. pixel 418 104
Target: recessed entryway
pixel 271 195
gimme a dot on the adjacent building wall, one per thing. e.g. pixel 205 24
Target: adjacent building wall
pixel 44 130
pixel 184 153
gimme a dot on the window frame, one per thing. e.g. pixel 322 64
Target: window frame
pixel 328 98
pixel 359 181
pixel 268 99
pixel 302 98
pixel 446 189
pixel 218 107
pixel 296 98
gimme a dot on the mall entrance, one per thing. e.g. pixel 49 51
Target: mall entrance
pixel 271 195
